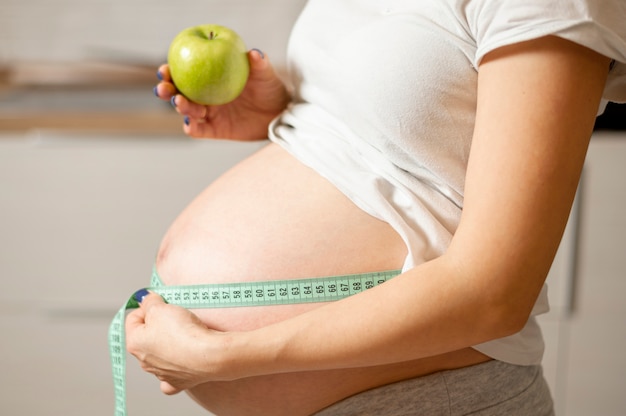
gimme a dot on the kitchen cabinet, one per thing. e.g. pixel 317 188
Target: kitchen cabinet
pixel 83 213
pixel 82 217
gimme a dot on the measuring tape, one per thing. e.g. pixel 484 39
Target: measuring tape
pixel 230 295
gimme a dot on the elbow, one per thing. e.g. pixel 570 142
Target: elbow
pixel 504 310
pixel 498 301
pixel 503 319
pixel 511 324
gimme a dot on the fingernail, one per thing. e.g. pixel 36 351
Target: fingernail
pixel 173 101
pixel 159 75
pixel 155 90
pixel 260 52
pixel 186 120
pixel 140 294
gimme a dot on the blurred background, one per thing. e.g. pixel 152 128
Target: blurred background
pixel 93 169
pixel 87 64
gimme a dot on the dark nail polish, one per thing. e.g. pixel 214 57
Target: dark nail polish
pixel 155 90
pixel 173 101
pixel 140 294
pixel 260 52
pixel 159 76
pixel 186 120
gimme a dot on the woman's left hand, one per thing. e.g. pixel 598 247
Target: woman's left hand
pixel 170 342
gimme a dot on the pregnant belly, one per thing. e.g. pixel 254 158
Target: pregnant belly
pixel 272 218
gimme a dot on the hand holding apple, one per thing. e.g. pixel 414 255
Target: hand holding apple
pixel 245 118
pixel 209 64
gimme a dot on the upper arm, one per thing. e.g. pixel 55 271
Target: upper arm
pixel 537 102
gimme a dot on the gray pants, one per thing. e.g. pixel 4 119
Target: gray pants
pixel 488 389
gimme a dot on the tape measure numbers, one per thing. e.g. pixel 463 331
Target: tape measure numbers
pixel 230 295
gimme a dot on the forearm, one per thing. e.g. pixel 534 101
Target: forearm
pixel 429 310
pixel 527 153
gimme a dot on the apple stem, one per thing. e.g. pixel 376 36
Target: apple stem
pixel 211 35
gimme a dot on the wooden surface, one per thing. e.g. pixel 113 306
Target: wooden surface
pixel 158 122
pixel 84 98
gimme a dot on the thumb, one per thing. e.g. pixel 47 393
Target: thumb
pixel 167 388
pixel 147 299
pixel 257 59
pixel 260 66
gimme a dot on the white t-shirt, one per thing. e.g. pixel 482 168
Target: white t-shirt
pixel 386 100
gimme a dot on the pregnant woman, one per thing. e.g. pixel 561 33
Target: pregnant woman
pixel 444 138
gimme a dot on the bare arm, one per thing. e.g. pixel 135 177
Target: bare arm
pixel 536 107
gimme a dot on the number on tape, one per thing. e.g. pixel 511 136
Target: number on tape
pixel 231 295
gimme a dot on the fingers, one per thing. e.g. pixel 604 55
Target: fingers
pixel 137 318
pixel 264 94
pixel 137 333
pixel 195 120
pixel 260 68
pixel 165 89
pixel 188 108
pixel 193 113
pixel 163 73
pixel 148 300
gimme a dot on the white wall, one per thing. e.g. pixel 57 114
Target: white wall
pixel 81 217
pixel 69 30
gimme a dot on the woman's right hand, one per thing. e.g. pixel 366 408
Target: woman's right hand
pixel 245 118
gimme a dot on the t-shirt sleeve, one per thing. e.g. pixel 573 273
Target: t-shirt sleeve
pixel 597 24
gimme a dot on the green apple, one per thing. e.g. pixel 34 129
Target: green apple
pixel 209 64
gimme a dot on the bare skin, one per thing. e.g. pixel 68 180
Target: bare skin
pixel 308 229
pixel 536 106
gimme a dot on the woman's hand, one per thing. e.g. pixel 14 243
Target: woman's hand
pixel 171 343
pixel 245 118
